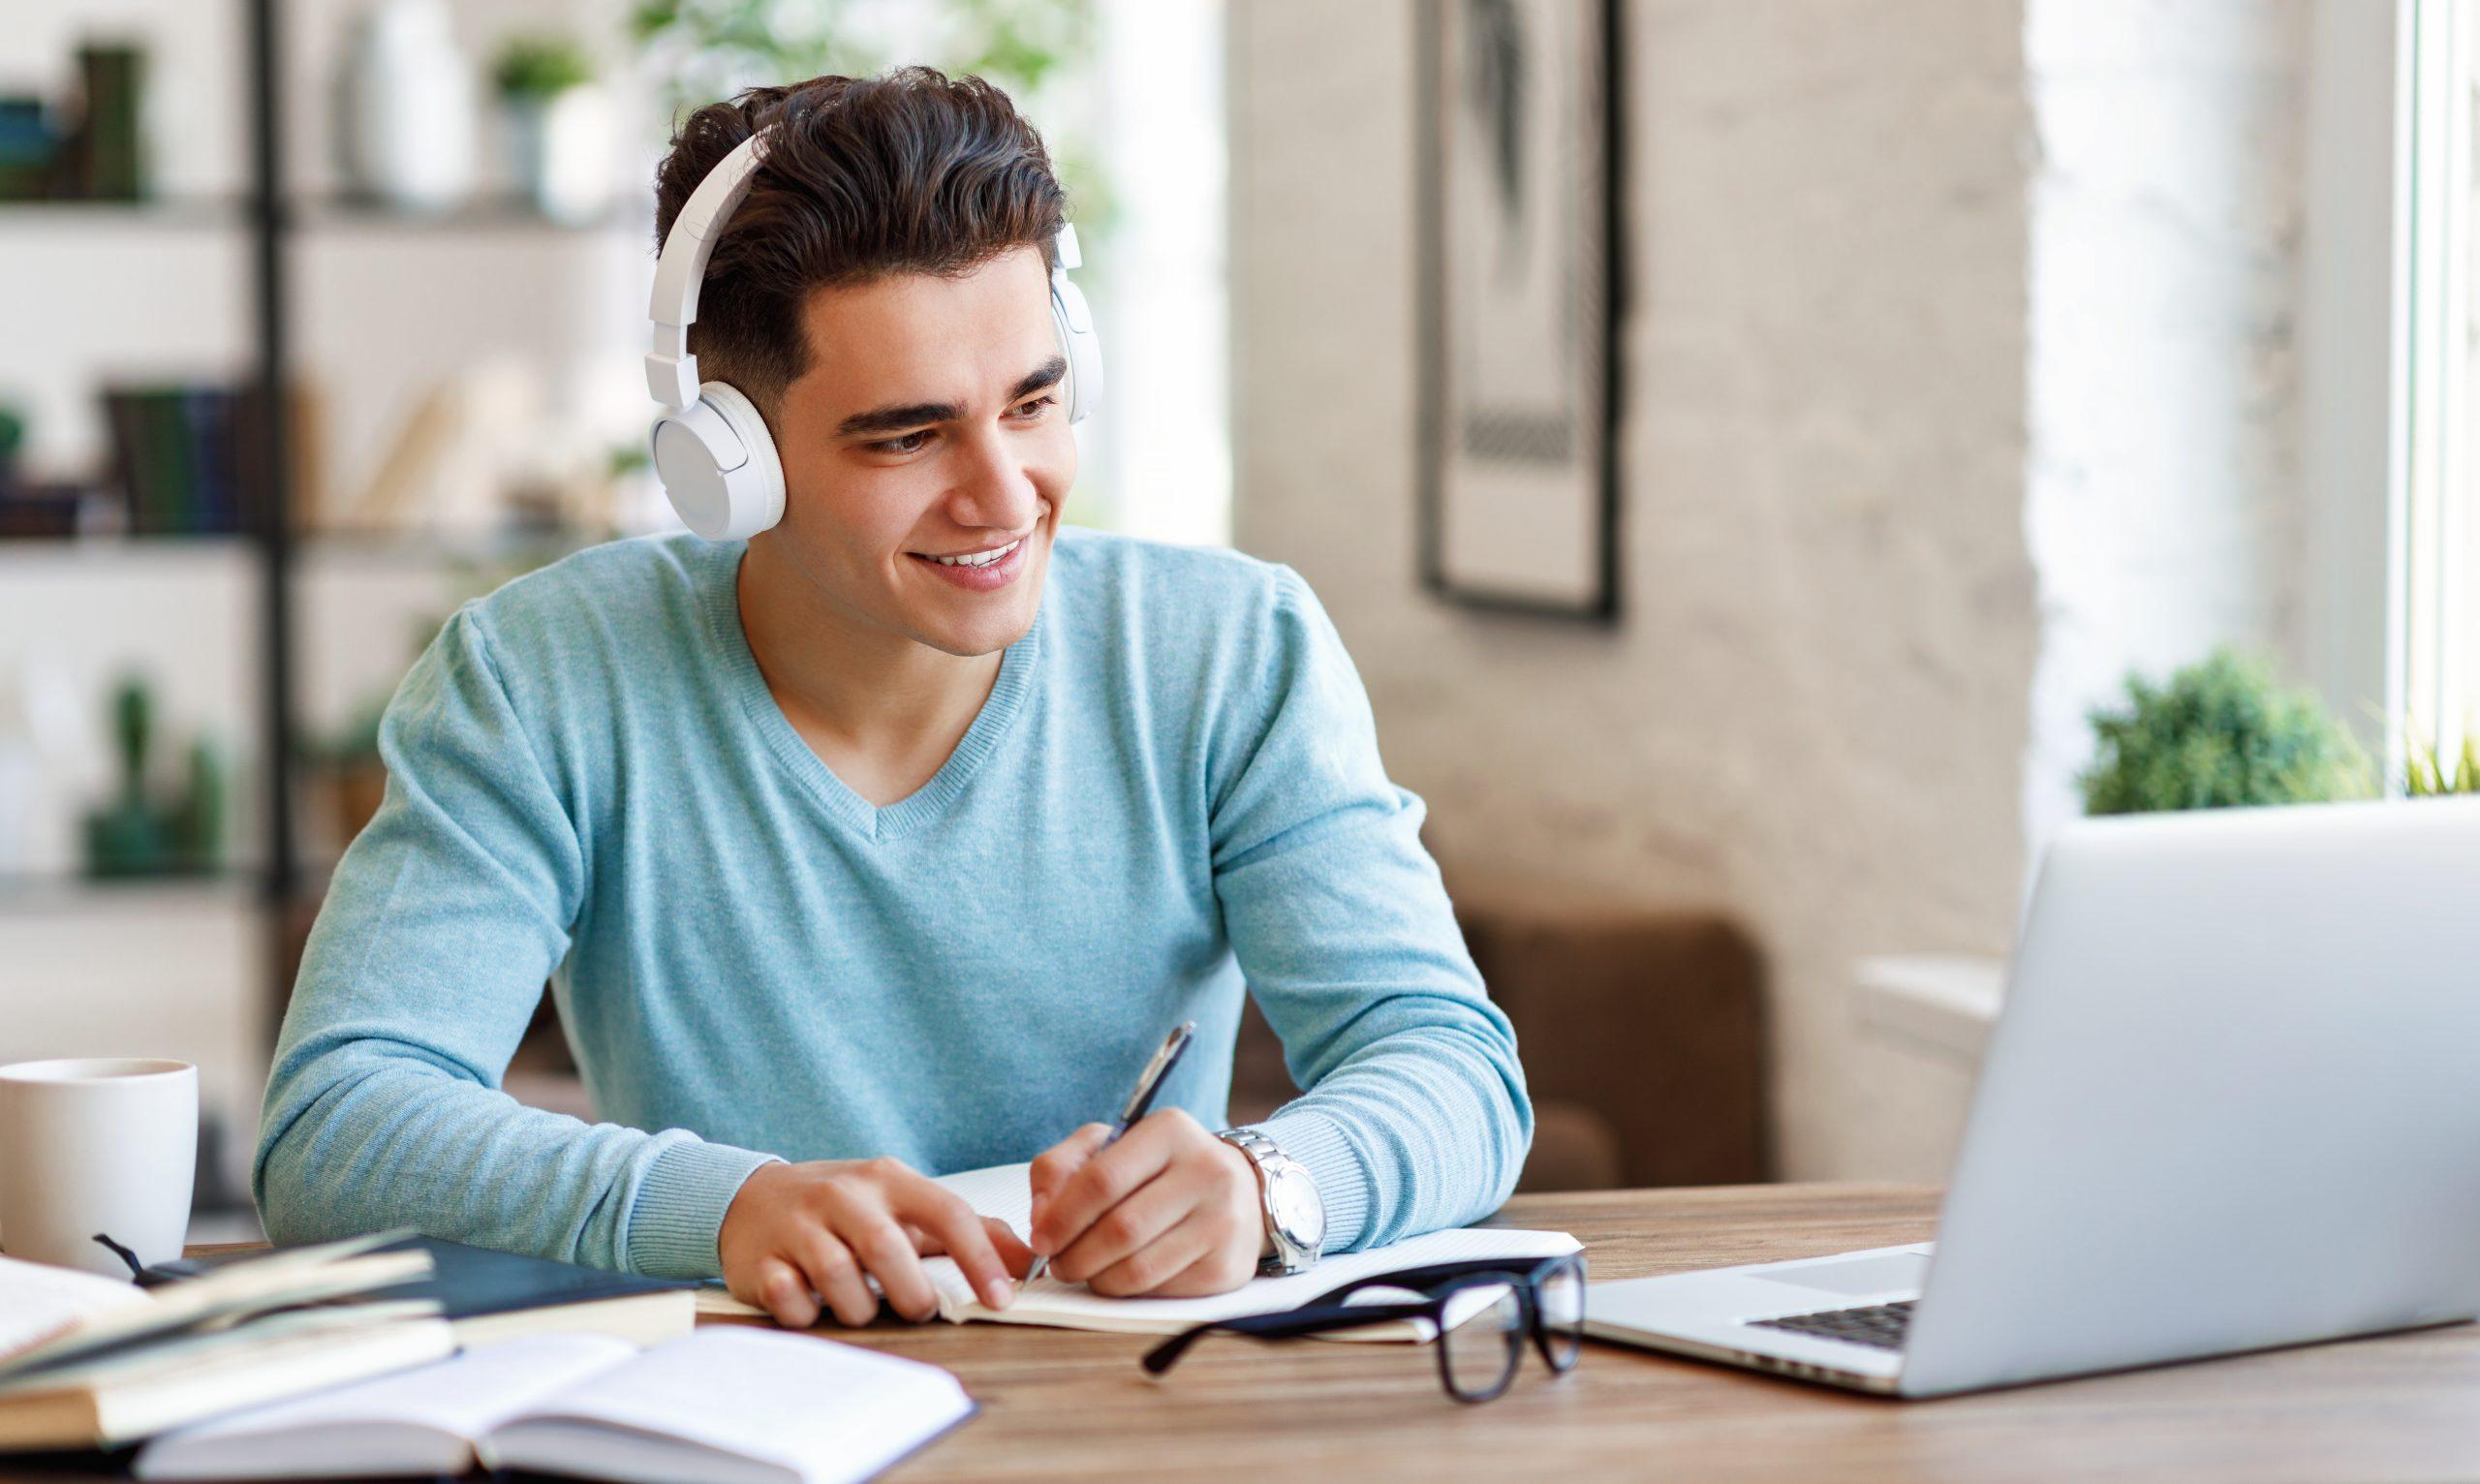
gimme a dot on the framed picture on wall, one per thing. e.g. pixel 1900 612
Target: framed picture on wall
pixel 1519 300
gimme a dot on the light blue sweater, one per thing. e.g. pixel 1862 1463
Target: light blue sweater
pixel 1173 791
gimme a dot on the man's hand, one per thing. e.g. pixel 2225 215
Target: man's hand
pixel 818 1227
pixel 1169 1210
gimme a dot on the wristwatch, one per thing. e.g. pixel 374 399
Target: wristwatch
pixel 1295 1217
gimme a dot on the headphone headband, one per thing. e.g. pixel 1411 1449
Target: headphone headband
pixel 680 271
pixel 671 372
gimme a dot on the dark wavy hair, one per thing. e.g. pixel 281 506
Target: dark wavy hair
pixel 910 171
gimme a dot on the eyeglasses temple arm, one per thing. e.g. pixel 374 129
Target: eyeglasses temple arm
pixel 1516 1271
pixel 1276 1326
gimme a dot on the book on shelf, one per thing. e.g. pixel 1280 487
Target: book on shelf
pixel 726 1404
pixel 183 456
pixel 87 1361
pixel 29 149
pixel 44 510
pixel 107 157
pixel 190 458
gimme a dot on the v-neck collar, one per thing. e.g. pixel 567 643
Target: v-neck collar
pixel 926 803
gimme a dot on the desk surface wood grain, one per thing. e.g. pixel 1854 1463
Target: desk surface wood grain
pixel 1063 1405
pixel 1069 1405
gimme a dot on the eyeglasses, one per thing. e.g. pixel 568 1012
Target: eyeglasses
pixel 1481 1311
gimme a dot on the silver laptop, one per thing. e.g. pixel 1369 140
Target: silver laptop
pixel 2233 1101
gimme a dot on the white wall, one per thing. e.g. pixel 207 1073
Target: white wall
pixel 1885 498
pixel 2164 498
pixel 1812 714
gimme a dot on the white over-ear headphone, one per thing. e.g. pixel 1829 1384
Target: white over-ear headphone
pixel 711 448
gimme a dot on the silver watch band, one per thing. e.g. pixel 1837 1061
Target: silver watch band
pixel 1288 1199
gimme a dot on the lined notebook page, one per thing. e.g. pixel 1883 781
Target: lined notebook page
pixel 1002 1190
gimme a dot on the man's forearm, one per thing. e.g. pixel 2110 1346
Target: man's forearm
pixel 363 1134
pixel 1426 1127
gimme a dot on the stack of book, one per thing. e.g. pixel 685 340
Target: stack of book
pixel 87 1361
pixel 396 1355
pixel 93 1362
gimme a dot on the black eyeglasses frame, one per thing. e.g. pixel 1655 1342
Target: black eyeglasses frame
pixel 1439 1282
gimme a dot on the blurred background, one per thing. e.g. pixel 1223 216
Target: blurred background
pixel 1772 463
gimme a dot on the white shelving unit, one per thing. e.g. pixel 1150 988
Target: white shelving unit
pixel 376 307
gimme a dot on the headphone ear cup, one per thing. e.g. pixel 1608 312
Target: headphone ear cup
pixel 719 466
pixel 1080 344
pixel 757 486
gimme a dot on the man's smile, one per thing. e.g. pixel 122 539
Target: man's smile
pixel 982 557
pixel 986 571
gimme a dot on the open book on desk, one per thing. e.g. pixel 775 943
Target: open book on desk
pixel 1004 1191
pixel 728 1405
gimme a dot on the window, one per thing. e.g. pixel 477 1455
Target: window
pixel 2392 393
pixel 1162 304
pixel 2438 588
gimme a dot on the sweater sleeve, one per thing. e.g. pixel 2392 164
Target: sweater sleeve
pixel 1415 1116
pixel 429 956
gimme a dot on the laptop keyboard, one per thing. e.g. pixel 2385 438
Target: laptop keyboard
pixel 1881 1325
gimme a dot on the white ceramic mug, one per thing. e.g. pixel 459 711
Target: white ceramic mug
pixel 97 1144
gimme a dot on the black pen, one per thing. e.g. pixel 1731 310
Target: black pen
pixel 1147 1084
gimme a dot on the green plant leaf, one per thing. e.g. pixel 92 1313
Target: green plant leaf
pixel 2217 735
pixel 537 67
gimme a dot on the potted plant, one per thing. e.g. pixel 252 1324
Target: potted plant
pixel 559 126
pixel 2220 732
pixel 143 830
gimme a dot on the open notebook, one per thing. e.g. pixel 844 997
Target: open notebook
pixel 1004 1191
pixel 728 1404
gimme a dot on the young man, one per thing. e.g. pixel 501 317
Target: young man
pixel 859 863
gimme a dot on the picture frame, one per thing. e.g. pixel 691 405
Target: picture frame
pixel 1519 296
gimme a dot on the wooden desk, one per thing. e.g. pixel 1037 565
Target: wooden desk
pixel 1066 1406
pixel 1062 1404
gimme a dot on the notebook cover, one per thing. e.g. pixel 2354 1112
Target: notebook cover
pixel 473 1281
pixel 470 1282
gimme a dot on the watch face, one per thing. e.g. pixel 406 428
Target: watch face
pixel 1297 1210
